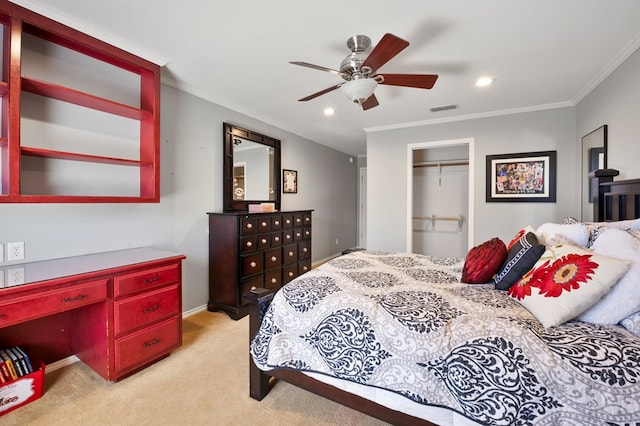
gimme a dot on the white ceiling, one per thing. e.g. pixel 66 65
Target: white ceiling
pixel 542 54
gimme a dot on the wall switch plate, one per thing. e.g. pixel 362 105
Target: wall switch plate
pixel 15 276
pixel 15 251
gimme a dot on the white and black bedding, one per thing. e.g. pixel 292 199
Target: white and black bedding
pixel 405 323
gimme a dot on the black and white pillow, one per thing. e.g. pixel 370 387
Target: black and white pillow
pixel 522 255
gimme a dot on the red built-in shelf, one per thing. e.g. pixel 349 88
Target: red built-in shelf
pixel 61 155
pixel 83 99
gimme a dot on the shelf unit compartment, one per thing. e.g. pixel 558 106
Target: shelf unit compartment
pixel 60 66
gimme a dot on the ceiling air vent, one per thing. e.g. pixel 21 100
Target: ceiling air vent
pixel 443 108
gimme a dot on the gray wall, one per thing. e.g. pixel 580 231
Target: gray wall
pixel 524 132
pixel 191 186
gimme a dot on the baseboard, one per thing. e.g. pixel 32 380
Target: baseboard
pixel 326 259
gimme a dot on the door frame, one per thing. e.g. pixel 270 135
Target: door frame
pixel 469 142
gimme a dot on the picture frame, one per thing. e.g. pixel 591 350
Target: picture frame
pixel 522 177
pixel 289 181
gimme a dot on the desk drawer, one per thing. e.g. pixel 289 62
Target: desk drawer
pixel 144 346
pixel 143 309
pixel 142 280
pixel 51 302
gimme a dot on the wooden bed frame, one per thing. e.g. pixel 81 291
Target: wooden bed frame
pixel 612 200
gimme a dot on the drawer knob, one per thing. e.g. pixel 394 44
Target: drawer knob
pixel 74 299
pixel 253 264
pixel 263 224
pixel 264 241
pixel 290 274
pixel 304 268
pixel 249 225
pixel 288 221
pixel 150 280
pixel 249 244
pixel 290 253
pixel 253 287
pixel 273 281
pixel 277 222
pixel 152 308
pixel 277 239
pixel 297 234
pixel 273 258
pixel 305 250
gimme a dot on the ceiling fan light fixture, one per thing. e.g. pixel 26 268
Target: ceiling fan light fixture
pixel 359 90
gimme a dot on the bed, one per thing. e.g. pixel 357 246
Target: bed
pixel 400 337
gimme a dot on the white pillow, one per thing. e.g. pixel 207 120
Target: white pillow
pixel 632 323
pixel 566 281
pixel 620 224
pixel 551 233
pixel 623 299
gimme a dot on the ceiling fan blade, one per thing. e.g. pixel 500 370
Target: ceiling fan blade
pixel 315 67
pixel 421 81
pixel 388 47
pixel 320 93
pixel 371 102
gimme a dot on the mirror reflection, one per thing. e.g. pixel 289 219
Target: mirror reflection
pixel 253 171
pixel 594 157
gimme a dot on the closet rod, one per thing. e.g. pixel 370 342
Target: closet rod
pixel 442 163
pixel 434 218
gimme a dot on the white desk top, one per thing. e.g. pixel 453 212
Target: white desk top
pixel 57 268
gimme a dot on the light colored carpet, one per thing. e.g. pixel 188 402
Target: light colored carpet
pixel 205 382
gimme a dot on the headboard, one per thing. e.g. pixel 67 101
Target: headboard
pixel 614 200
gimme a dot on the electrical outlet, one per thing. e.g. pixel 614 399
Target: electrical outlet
pixel 15 276
pixel 337 241
pixel 15 251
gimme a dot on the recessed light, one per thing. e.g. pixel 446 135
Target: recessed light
pixel 484 81
pixel 329 111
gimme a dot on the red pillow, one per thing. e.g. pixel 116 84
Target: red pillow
pixel 483 261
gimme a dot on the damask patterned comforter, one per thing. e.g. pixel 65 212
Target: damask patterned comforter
pixel 405 323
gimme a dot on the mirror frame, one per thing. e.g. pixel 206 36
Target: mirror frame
pixel 594 140
pixel 229 131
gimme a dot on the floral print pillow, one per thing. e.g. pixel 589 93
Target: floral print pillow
pixel 565 282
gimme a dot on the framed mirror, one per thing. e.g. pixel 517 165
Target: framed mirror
pixel 251 169
pixel 594 157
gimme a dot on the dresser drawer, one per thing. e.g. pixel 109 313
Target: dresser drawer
pixel 264 241
pixel 289 254
pixel 276 222
pixel 289 272
pixel 252 264
pixel 248 225
pixel 304 266
pixel 304 249
pixel 287 221
pixel 272 258
pixel 264 224
pixel 143 309
pixel 142 347
pixel 248 243
pixel 273 279
pixel 142 280
pixel 26 308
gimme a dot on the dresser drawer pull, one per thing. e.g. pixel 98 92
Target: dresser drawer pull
pixel 305 249
pixel 273 280
pixel 298 234
pixel 249 225
pixel 290 254
pixel 264 241
pixel 151 280
pixel 74 299
pixel 290 274
pixel 151 343
pixel 276 222
pixel 249 244
pixel 152 308
pixel 273 258
pixel 263 224
pixel 253 264
pixel 277 239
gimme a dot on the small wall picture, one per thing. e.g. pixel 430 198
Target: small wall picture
pixel 289 181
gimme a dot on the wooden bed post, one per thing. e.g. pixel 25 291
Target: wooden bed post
pixel 259 299
pixel 599 179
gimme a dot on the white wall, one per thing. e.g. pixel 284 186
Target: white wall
pixel 191 185
pixel 524 132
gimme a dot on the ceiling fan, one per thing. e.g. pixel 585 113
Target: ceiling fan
pixel 359 70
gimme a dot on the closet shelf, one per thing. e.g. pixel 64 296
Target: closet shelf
pixel 76 97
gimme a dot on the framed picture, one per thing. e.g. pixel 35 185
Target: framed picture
pixel 289 181
pixel 527 177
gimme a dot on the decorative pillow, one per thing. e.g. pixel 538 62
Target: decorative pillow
pixel 624 298
pixel 520 233
pixel 523 254
pixel 577 233
pixel 483 261
pixel 620 224
pixel 632 323
pixel 565 282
